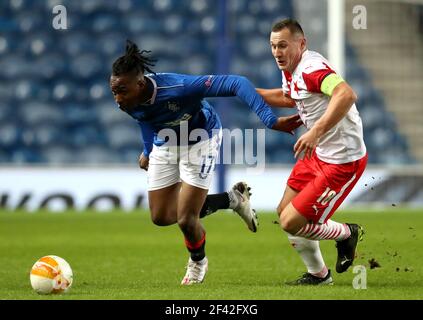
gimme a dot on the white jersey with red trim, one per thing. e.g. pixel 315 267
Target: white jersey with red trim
pixel 344 142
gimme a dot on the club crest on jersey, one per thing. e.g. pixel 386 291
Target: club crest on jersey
pixel 173 106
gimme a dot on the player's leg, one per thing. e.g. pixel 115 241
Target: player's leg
pixel 196 166
pixel 237 199
pixel 309 250
pixel 190 201
pixel 346 248
pixel 213 203
pixel 320 194
pixel 164 213
pixel 198 163
pixel 302 236
pixel 302 173
pixel 319 200
pixel 163 185
pixel 287 197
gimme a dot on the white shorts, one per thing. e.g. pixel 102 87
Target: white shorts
pixel 193 164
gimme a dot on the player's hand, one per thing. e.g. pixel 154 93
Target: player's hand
pixel 287 102
pixel 307 143
pixel 288 124
pixel 143 161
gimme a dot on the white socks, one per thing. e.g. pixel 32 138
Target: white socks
pixel 309 252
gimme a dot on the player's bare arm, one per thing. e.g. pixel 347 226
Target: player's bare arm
pixel 343 97
pixel 276 98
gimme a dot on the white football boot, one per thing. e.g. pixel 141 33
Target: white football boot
pixel 196 271
pixel 239 201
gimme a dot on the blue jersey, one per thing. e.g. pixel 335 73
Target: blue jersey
pixel 177 98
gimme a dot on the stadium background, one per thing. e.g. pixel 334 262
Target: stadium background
pixel 64 144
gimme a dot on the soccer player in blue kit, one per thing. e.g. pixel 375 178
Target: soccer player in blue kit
pixel 178 183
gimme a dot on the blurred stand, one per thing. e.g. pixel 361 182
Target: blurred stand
pixel 56 109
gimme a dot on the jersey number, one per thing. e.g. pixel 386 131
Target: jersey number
pixel 326 196
pixel 324 199
pixel 206 166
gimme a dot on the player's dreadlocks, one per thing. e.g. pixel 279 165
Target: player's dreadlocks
pixel 133 61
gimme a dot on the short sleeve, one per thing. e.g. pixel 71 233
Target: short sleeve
pixel 314 74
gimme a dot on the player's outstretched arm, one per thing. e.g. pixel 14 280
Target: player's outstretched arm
pixel 276 98
pixel 233 85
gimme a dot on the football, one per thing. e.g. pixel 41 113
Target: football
pixel 51 274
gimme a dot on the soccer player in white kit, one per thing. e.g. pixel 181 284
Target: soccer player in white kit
pixel 331 154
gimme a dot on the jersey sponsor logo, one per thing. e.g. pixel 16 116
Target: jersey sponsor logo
pixel 185 117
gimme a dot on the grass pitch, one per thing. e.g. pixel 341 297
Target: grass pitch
pixel 122 255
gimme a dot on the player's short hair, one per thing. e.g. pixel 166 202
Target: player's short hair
pixel 134 61
pixel 292 24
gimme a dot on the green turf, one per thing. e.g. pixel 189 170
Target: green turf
pixel 124 256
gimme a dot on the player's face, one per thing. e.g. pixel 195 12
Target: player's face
pixel 126 90
pixel 287 49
